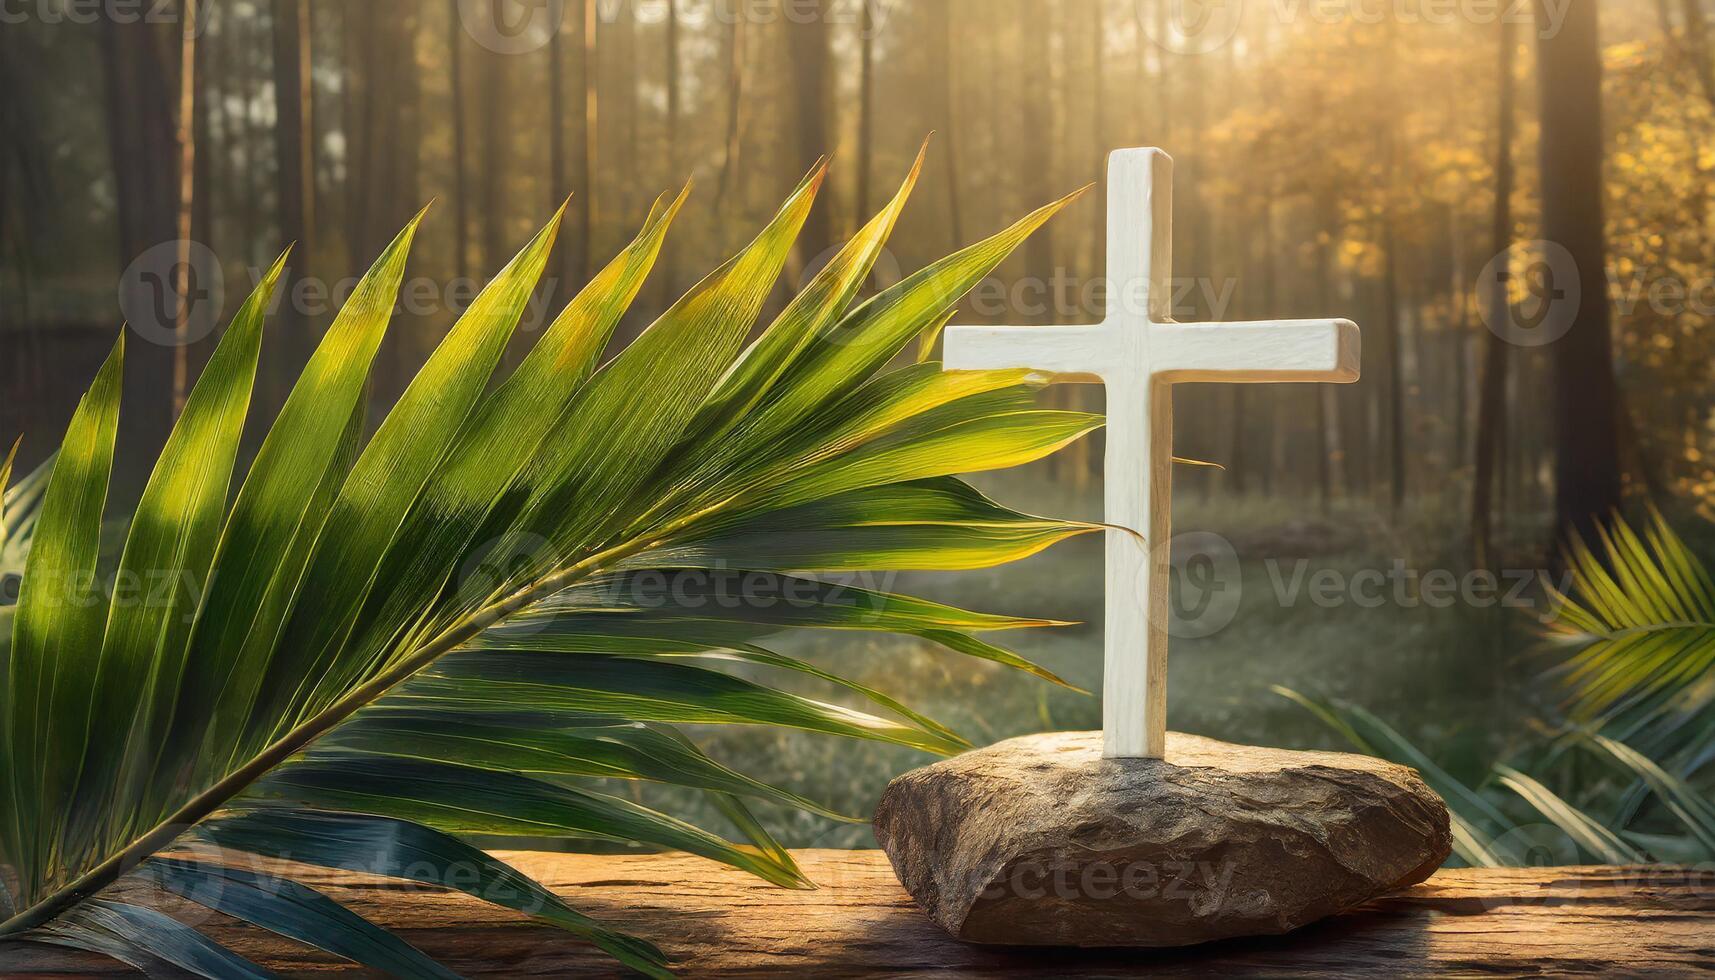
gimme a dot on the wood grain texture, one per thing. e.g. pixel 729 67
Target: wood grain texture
pixel 716 922
pixel 1138 353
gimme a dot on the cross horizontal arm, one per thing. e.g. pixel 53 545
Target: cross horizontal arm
pixel 1260 350
pixel 1067 353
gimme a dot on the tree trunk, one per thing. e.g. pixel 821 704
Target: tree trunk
pixel 559 276
pixel 187 199
pixel 1037 133
pixel 1395 332
pixel 674 94
pixel 455 81
pixel 397 190
pixel 1697 43
pixel 1163 77
pixel 866 112
pixel 381 107
pixel 23 210
pixel 666 265
pixel 139 101
pixel 496 157
pixel 1334 471
pixel 1587 459
pixel 1080 456
pixel 807 50
pixel 208 101
pixel 943 14
pixel 625 76
pixel 357 117
pixel 1491 404
pixel 1099 111
pixel 734 110
pixel 1460 324
pixel 255 137
pixel 584 125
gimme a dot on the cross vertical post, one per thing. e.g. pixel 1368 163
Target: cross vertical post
pixel 1138 353
pixel 1138 486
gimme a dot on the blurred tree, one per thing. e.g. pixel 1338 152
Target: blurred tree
pixel 735 91
pixel 675 96
pixel 1497 309
pixel 455 74
pixel 807 47
pixel 1587 459
pixel 584 118
pixel 1341 147
pixel 562 275
pixel 866 110
pixel 186 137
pixel 140 138
pixel 1697 40
pixel 294 160
pixel 941 40
pixel 496 157
pixel 1035 138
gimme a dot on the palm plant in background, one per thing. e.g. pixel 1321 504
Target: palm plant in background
pixel 19 507
pixel 1637 641
pixel 453 627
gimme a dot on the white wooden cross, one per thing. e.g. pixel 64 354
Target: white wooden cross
pixel 1139 353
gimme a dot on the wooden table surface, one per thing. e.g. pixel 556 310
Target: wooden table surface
pixel 717 922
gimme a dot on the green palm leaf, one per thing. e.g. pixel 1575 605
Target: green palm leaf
pixel 1590 834
pixel 412 852
pixel 1485 834
pixel 507 596
pixel 1691 808
pixel 1640 624
pixel 292 910
pixel 56 633
pixel 1475 820
pixel 144 938
pixel 20 506
pixel 558 743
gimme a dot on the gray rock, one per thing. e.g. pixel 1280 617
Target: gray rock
pixel 1040 841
